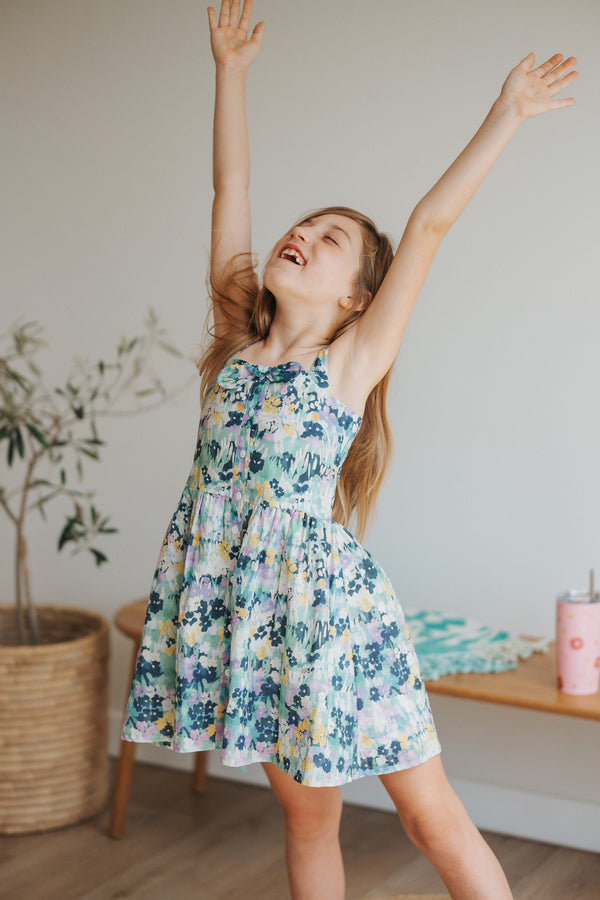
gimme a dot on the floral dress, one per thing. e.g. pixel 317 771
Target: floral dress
pixel 271 634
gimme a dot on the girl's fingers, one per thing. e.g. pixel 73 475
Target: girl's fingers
pixel 560 71
pixel 246 15
pixel 550 64
pixel 230 13
pixel 234 14
pixel 527 63
pixel 557 86
pixel 224 14
pixel 258 33
pixel 565 101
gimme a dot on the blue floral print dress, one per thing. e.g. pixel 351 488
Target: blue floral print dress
pixel 271 633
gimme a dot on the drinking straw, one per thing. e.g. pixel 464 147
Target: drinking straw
pixel 591 584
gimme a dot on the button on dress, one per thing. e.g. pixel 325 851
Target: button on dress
pixel 271 634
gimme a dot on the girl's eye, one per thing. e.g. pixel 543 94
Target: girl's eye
pixel 329 238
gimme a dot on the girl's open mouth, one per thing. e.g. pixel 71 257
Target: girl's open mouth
pixel 293 255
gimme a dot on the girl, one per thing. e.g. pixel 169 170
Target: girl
pixel 271 634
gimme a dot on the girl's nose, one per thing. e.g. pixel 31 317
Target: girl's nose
pixel 301 233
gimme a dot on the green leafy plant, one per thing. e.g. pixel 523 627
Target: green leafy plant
pixel 48 434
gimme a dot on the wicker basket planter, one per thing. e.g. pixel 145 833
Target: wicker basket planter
pixel 54 767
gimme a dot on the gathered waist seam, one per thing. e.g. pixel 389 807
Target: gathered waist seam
pixel 253 500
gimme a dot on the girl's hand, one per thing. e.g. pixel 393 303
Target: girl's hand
pixel 229 39
pixel 531 91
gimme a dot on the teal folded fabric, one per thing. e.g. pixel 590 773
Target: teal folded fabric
pixel 447 644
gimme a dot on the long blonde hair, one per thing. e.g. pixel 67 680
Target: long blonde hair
pixel 248 310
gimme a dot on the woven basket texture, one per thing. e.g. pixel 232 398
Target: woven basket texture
pixel 54 766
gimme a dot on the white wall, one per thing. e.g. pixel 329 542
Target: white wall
pixel 491 507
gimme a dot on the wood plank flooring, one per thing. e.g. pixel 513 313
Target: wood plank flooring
pixel 227 844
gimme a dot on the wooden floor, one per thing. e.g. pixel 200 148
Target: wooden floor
pixel 227 844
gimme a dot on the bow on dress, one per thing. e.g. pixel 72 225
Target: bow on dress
pixel 241 372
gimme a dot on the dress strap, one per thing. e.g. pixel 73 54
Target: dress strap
pixel 321 360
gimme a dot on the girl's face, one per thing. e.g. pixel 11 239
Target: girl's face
pixel 316 262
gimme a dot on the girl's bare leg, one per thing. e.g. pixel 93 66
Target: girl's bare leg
pixel 436 821
pixel 312 821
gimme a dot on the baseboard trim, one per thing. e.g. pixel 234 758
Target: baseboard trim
pixel 532 815
pixel 506 810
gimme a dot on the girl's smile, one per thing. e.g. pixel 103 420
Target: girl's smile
pixel 291 252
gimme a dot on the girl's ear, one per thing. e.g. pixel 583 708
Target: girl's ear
pixel 364 302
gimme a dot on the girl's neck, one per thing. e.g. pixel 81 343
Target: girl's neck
pixel 287 341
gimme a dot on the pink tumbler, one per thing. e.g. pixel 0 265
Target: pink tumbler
pixel 578 642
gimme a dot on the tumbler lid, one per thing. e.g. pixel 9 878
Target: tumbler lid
pixel 578 597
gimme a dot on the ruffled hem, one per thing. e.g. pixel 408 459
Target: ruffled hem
pixel 310 777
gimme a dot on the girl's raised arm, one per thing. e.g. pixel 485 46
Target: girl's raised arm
pixel 233 51
pixel 372 345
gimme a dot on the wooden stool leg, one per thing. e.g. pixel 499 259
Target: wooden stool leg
pixel 200 771
pixel 120 802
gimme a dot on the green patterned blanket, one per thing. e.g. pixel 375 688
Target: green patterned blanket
pixel 446 644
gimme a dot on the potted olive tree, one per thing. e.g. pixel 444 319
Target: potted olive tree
pixel 54 659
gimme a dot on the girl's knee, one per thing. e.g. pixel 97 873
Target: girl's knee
pixel 430 811
pixel 433 829
pixel 309 812
pixel 441 828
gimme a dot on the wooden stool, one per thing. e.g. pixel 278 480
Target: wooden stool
pixel 130 621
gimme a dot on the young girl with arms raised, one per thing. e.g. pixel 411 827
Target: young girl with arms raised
pixel 271 633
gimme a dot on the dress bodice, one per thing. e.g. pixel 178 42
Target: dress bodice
pixel 274 434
